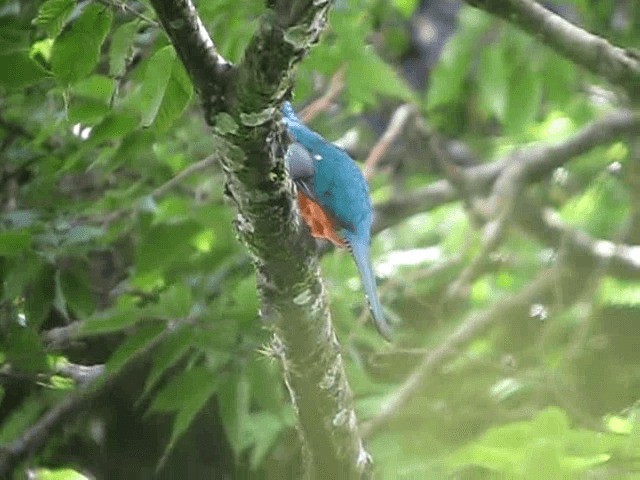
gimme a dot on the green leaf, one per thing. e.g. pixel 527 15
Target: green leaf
pixel 133 345
pixel 264 430
pixel 448 78
pixel 122 315
pixel 53 14
pixel 76 52
pixel 91 99
pixel 543 456
pixel 154 86
pixel 172 396
pixel 59 474
pixel 406 7
pixel 368 76
pixel 114 126
pixel 40 296
pixel 24 351
pixel 176 98
pixel 163 244
pixel 234 396
pixel 21 418
pixel 76 285
pixel 121 46
pixel 264 377
pixel 551 422
pixel 619 292
pixel 176 301
pixel 192 390
pixel 18 70
pixel 168 353
pixel 559 76
pixel 13 243
pixel 525 95
pixel 493 81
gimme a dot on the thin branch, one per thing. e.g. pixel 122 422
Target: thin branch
pixel 81 374
pixel 623 261
pixel 183 174
pixel 528 164
pixel 127 8
pixel 596 54
pixel 398 120
pixel 336 84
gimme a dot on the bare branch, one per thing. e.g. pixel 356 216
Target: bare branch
pixel 508 176
pixel 623 261
pixel 81 374
pixel 183 174
pixel 616 64
pixel 396 124
pixel 336 84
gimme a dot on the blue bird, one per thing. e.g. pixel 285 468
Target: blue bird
pixel 334 201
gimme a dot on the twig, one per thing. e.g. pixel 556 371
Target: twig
pixel 336 84
pixel 127 8
pixel 183 174
pixel 527 165
pixel 81 374
pixel 547 226
pixel 396 124
pixel 59 338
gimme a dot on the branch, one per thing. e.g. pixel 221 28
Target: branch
pixel 544 289
pixel 623 261
pixel 527 165
pixel 396 124
pixel 619 66
pixel 206 67
pixel 240 103
pixel 93 382
pixel 187 172
pixel 335 87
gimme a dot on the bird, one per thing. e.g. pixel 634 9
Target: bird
pixel 333 198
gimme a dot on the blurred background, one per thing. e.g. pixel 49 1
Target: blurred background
pixel 506 181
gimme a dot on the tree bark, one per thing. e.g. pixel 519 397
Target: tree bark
pixel 241 105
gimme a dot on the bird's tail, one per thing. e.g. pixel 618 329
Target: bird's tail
pixel 360 251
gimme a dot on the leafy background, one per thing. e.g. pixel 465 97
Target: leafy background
pixel 105 264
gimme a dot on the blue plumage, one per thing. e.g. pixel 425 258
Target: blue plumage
pixel 330 177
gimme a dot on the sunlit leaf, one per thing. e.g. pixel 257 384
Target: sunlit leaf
pixel 52 15
pixel 86 34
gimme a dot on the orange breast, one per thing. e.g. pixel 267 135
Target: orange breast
pixel 320 224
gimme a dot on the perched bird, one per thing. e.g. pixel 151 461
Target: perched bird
pixel 334 201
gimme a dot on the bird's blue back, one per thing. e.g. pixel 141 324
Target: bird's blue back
pixel 339 187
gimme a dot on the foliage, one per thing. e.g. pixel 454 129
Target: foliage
pixel 97 114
